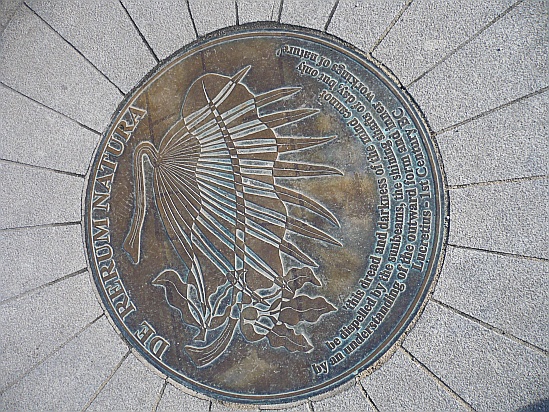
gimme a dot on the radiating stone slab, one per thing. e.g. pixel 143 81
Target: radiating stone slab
pixel 69 378
pixel 166 24
pixel 362 23
pixel 431 29
pixel 401 385
pixel 40 64
pixel 502 291
pixel 509 217
pixel 484 368
pixel 348 400
pixel 212 15
pixel 7 10
pixel 31 196
pixel 33 134
pixel 35 256
pixel 505 62
pixel 35 325
pixel 258 10
pixel 299 408
pixel 506 144
pixel 313 14
pixel 222 407
pixel 102 32
pixel 133 387
pixel 174 400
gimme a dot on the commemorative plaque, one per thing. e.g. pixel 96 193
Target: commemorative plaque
pixel 265 215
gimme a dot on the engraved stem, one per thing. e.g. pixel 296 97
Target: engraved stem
pixel 132 244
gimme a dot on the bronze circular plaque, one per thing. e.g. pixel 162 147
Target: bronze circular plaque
pixel 265 215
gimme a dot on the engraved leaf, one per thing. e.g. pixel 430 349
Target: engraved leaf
pixel 304 308
pixel 249 332
pixel 282 336
pixel 297 277
pixel 219 320
pixel 220 299
pixel 249 313
pixel 276 304
pixel 176 295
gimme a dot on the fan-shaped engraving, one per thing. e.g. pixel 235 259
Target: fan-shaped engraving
pixel 217 188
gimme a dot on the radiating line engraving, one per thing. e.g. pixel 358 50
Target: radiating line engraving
pixel 216 183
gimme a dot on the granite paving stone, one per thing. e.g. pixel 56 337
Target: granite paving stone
pixel 133 387
pixel 401 385
pixel 507 61
pixel 505 292
pixel 212 15
pixel 36 324
pixel 427 31
pixel 298 408
pixel 222 407
pixel 31 196
pixel 35 256
pixel 174 400
pixel 101 31
pixel 507 217
pixel 348 400
pixel 363 22
pixel 506 144
pixel 68 379
pixel 314 15
pixel 258 10
pixel 33 134
pixel 489 371
pixel 37 62
pixel 7 10
pixel 166 25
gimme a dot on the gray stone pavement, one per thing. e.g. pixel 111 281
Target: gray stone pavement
pixel 479 71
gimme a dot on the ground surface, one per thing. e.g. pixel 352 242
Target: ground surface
pixel 479 71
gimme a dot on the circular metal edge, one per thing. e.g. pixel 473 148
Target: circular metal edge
pixel 395 340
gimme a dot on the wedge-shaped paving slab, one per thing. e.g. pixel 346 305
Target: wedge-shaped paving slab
pixel 430 29
pixel 507 61
pixel 212 15
pixel 7 10
pixel 506 292
pixel 32 196
pixel 33 134
pixel 507 217
pixel 484 368
pixel 101 31
pixel 401 385
pixel 35 256
pixel 174 398
pixel 258 10
pixel 37 62
pixel 363 23
pixel 166 24
pixel 39 323
pixel 506 144
pixel 314 15
pixel 348 400
pixel 133 387
pixel 222 407
pixel 69 378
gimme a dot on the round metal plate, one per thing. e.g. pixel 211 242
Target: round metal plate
pixel 264 216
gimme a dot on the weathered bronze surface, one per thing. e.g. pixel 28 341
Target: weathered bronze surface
pixel 265 214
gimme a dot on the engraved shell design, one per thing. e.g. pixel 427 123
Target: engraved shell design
pixel 216 184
